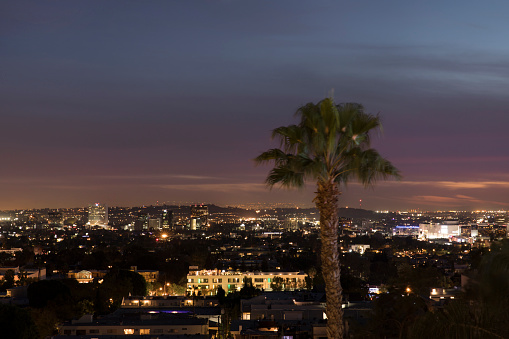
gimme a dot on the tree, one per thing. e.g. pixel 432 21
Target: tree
pixel 221 294
pixel 311 276
pixel 22 277
pixel 394 313
pixel 479 312
pixel 420 280
pixel 248 290
pixel 330 146
pixel 118 284
pixel 42 292
pixel 17 323
pixel 277 284
pixel 9 278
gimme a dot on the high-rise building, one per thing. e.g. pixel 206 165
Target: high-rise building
pixel 98 215
pixel 154 223
pixel 200 214
pixel 167 218
pixel 142 222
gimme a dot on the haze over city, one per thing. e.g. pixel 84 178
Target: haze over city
pixel 139 102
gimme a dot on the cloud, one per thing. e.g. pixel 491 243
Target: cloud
pixel 472 184
pixel 45 179
pixel 449 159
pixel 462 184
pixel 244 187
pixel 451 184
pixel 78 188
pixel 435 199
pixel 161 176
pixel 457 200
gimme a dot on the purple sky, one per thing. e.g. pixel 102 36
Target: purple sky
pixel 134 102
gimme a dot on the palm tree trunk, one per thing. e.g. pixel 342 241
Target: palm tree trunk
pixel 326 201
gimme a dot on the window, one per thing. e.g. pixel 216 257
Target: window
pixel 157 331
pixel 205 280
pixel 111 331
pixel 95 331
pixel 144 330
pixel 219 280
pixel 258 279
pixel 190 280
pixel 128 330
pixel 81 332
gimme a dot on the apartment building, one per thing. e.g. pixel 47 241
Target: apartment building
pixel 207 282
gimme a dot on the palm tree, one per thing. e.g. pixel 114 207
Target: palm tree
pixel 330 146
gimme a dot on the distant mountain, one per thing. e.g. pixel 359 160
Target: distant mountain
pixel 357 213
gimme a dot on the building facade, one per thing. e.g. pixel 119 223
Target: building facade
pixel 98 215
pixel 199 216
pixel 207 282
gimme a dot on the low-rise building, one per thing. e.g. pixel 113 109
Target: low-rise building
pixel 86 276
pixel 149 275
pixel 443 230
pixel 168 301
pixel 207 282
pixel 284 306
pixel 142 323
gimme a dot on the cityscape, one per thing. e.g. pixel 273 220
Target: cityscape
pixel 236 272
pixel 229 169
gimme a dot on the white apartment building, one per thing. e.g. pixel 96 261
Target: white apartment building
pixel 208 281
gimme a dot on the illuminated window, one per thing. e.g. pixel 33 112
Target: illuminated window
pixel 128 330
pixel 144 330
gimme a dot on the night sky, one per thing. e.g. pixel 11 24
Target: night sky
pixel 138 102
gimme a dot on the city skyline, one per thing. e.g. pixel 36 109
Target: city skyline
pixel 134 103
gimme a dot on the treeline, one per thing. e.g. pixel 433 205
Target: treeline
pixel 54 301
pixel 478 311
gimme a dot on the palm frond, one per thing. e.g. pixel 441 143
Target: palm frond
pixel 368 166
pixel 286 177
pixel 331 142
pixel 274 154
